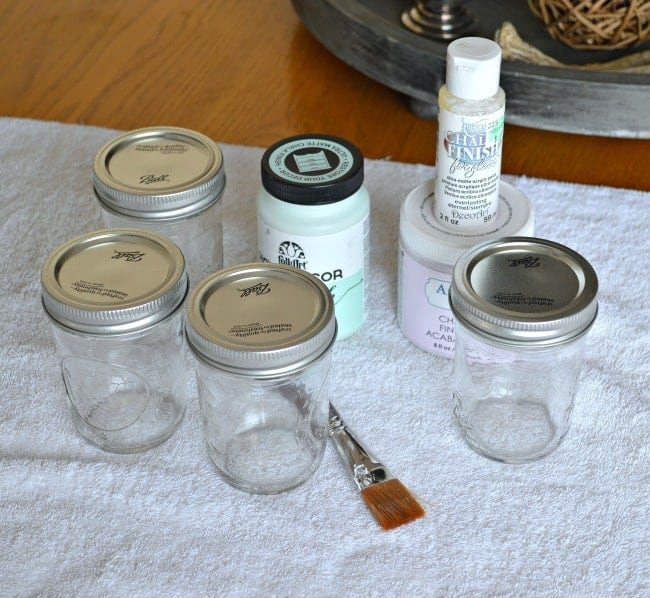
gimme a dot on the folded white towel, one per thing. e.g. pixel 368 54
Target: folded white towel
pixel 77 521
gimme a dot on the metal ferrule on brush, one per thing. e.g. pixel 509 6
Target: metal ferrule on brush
pixel 365 470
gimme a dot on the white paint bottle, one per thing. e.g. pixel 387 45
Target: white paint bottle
pixel 313 213
pixel 471 108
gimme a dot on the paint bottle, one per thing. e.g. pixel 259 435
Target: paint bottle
pixel 427 254
pixel 313 213
pixel 470 133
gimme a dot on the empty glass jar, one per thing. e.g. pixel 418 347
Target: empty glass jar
pixel 522 307
pixel 262 336
pixel 169 180
pixel 115 298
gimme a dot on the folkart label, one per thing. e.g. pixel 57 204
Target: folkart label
pixel 338 259
pixel 468 168
pixel 291 254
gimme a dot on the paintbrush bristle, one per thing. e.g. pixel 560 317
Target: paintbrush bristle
pixel 391 503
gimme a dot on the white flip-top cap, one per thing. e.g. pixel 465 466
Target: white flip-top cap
pixel 473 68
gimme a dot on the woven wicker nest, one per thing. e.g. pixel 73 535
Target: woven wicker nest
pixel 595 24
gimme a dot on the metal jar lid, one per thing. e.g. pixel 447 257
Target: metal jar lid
pixel 114 280
pixel 312 169
pixel 260 319
pixel 524 290
pixel 159 173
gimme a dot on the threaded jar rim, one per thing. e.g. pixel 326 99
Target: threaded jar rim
pixel 524 290
pixel 159 173
pixel 113 281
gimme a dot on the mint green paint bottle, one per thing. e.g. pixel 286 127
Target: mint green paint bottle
pixel 313 213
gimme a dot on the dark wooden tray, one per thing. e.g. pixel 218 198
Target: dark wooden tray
pixel 369 36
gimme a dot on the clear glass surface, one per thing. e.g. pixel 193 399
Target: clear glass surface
pixel 199 236
pixel 127 392
pixel 514 404
pixel 265 436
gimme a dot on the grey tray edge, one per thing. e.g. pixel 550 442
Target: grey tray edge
pixel 566 100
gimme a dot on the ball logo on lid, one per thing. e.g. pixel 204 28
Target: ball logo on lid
pixel 311 161
pixel 261 288
pixel 128 256
pixel 149 179
pixel 526 262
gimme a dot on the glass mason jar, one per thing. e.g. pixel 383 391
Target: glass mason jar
pixel 114 298
pixel 262 335
pixel 522 307
pixel 313 213
pixel 169 180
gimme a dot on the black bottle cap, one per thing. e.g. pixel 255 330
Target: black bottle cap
pixel 312 169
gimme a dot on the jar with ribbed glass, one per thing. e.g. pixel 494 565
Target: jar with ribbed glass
pixel 262 338
pixel 115 303
pixel 523 307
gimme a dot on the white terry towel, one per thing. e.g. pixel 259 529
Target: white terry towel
pixel 77 521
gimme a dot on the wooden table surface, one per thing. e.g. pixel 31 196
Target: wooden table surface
pixel 244 72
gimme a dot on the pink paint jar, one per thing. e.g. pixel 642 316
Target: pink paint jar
pixel 427 254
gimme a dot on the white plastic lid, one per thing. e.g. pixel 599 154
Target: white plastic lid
pixel 473 68
pixel 426 239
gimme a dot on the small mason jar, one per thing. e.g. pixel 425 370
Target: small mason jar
pixel 522 307
pixel 262 335
pixel 115 301
pixel 169 180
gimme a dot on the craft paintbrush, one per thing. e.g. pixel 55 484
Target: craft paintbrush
pixel 387 498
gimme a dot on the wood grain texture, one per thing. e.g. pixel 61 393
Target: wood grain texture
pixel 244 72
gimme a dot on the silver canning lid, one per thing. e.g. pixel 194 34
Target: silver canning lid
pixel 523 290
pixel 260 319
pixel 159 173
pixel 114 280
